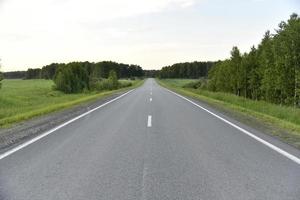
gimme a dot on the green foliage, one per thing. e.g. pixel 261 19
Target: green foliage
pixel 78 77
pixel 72 78
pixel 111 83
pixel 282 112
pixel 151 73
pixel 112 78
pixel 14 75
pixel 1 78
pixel 194 85
pixel 24 99
pixel 185 70
pixel 104 84
pixel 199 84
pixel 270 72
pixel 33 73
pixel 125 83
pixel 48 71
pixel 82 76
pixel 98 70
pixel 179 82
pixel 235 71
pixel 285 117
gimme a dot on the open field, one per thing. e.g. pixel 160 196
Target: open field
pixel 282 117
pixel 24 99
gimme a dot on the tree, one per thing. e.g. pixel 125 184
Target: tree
pixel 271 72
pixel 1 77
pixel 62 81
pixel 218 77
pixel 186 70
pixel 235 68
pixel 113 80
pixel 33 73
pixel 268 71
pixel 253 80
pixel 14 75
pixel 48 71
pixel 287 41
pixel 72 78
pixel 248 74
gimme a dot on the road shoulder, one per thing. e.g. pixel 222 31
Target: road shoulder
pixel 261 128
pixel 26 130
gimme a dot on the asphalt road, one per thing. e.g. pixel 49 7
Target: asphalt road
pixel 137 148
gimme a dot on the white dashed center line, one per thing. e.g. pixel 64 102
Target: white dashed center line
pixel 149 123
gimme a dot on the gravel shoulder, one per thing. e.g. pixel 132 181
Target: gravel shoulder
pixel 20 132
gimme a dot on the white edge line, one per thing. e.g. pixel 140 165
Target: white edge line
pixel 21 146
pixel 275 148
pixel 149 123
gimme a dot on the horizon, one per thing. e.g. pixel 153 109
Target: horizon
pixel 151 34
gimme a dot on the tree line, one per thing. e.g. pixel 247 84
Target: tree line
pixel 100 69
pixel 1 78
pixel 186 70
pixel 151 73
pixel 77 77
pixel 270 72
pixel 14 75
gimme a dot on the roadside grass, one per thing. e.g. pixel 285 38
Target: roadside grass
pixel 178 82
pixel 282 117
pixel 24 99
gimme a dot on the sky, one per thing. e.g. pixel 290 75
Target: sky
pixel 150 33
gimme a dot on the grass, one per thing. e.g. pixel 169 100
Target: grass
pixel 24 99
pixel 178 82
pixel 285 119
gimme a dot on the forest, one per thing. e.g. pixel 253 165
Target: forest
pixel 269 72
pixel 82 76
pixel 14 75
pixel 100 69
pixel 77 77
pixel 186 70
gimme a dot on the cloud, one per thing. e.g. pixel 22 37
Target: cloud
pixel 94 10
pixel 36 17
pixel 146 32
pixel 87 10
pixel 37 32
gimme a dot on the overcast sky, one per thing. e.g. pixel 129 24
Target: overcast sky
pixel 150 33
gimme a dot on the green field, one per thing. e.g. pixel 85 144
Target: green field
pixel 283 117
pixel 24 99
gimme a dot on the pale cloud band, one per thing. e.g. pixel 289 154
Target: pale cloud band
pixel 40 27
pixel 151 33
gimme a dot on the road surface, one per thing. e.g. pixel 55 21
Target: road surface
pixel 149 144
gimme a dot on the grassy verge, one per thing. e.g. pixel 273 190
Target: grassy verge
pixel 24 99
pixel 285 121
